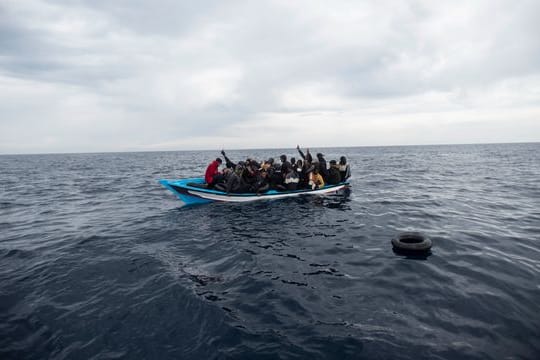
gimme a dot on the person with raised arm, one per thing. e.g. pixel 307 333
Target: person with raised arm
pixel 306 157
pixel 228 162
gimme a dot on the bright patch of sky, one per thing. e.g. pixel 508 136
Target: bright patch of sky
pixel 95 75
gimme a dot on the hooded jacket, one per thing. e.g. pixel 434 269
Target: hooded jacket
pixel 211 171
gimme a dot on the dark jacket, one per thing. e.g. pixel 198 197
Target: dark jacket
pixel 334 177
pixel 291 180
pixel 235 184
pixel 322 168
pixel 307 157
pixel 345 172
pixel 285 166
pixel 262 184
pixel 228 161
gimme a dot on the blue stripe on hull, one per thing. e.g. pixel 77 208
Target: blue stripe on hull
pixel 186 198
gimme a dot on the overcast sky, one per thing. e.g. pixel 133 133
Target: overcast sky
pixel 124 75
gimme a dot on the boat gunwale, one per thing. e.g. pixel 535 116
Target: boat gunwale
pixel 183 184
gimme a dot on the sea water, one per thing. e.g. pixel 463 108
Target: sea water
pixel 97 260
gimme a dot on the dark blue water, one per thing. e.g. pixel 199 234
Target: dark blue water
pixel 98 261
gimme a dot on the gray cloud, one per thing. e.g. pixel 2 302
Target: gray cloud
pixel 100 75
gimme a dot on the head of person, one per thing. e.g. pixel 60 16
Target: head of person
pixel 239 169
pixel 333 163
pixel 270 161
pixel 343 160
pixel 226 171
pixel 219 161
pixel 283 158
pixel 299 164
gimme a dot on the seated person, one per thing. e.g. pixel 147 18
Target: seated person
pixel 276 178
pixel 315 179
pixel 262 183
pixel 221 183
pixel 334 177
pixel 212 172
pixel 235 182
pixel 291 179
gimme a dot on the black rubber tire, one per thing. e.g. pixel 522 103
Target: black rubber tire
pixel 412 242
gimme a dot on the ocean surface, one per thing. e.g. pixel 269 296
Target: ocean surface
pixel 99 261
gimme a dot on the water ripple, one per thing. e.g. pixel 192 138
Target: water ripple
pixel 98 261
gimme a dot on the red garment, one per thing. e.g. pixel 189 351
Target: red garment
pixel 211 170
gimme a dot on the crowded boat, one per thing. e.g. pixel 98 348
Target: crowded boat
pixel 287 174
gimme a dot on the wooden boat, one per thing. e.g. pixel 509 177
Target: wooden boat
pixel 194 191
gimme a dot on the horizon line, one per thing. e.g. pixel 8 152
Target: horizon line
pixel 276 148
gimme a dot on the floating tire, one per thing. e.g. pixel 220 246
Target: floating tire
pixel 411 242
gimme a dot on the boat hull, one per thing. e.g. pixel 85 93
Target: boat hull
pixel 194 195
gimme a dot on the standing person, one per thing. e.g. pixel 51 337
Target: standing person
pixel 212 171
pixel 344 169
pixel 306 157
pixel 323 170
pixel 302 174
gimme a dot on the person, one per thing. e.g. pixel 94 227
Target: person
pixel 262 183
pixel 291 179
pixel 250 173
pixel 267 164
pixel 284 164
pixel 228 163
pixel 222 182
pixel 236 183
pixel 344 169
pixel 306 157
pixel 323 170
pixel 212 171
pixel 334 177
pixel 276 178
pixel 316 181
pixel 302 174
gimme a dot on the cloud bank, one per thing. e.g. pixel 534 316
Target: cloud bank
pixel 80 76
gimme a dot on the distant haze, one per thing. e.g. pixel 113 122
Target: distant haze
pixel 133 75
